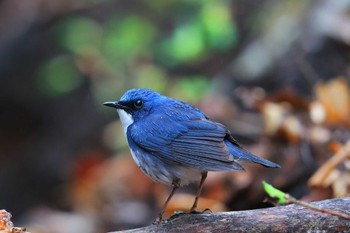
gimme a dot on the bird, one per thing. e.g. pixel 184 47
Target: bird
pixel 175 143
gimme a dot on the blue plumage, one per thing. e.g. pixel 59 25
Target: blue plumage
pixel 175 143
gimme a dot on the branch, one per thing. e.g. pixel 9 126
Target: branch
pixel 290 218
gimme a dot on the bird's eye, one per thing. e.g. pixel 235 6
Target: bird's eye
pixel 138 103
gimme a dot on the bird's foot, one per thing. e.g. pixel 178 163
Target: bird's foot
pixel 206 210
pixel 176 214
pixel 159 220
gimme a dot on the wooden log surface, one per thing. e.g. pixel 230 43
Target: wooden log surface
pixel 289 218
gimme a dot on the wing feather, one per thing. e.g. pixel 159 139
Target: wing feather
pixel 197 143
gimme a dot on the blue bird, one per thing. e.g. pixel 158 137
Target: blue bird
pixel 174 143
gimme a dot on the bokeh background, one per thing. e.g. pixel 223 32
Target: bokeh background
pixel 275 72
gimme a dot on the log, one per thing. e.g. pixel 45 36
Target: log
pixel 289 218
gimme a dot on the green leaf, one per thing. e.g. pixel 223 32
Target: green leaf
pixel 275 193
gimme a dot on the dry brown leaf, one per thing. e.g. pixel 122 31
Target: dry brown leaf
pixel 279 121
pixel 288 95
pixel 334 96
pixel 341 185
pixel 328 174
pixel 334 147
pixel 292 129
pixel 274 115
pixel 317 134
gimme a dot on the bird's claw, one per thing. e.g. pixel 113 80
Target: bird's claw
pixel 206 210
pixel 178 213
pixel 159 220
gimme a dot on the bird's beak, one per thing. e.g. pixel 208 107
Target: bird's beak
pixel 116 105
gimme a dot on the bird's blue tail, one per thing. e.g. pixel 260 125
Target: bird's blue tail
pixel 242 156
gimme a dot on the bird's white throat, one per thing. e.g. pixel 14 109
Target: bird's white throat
pixel 125 118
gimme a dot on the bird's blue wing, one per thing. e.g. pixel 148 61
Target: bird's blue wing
pixel 242 156
pixel 197 143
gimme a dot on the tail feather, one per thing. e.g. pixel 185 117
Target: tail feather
pixel 242 156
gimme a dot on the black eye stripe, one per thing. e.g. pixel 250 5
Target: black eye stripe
pixel 132 105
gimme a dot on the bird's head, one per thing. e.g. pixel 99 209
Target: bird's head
pixel 136 104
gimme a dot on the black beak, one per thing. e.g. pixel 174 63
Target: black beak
pixel 116 105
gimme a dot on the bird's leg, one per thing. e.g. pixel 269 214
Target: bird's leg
pixel 204 176
pixel 175 185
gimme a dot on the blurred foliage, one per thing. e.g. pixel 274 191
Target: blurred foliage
pixel 79 34
pixel 131 50
pixel 128 38
pixel 218 25
pixel 192 89
pixel 59 76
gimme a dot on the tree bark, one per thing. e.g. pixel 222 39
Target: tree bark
pixel 289 218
